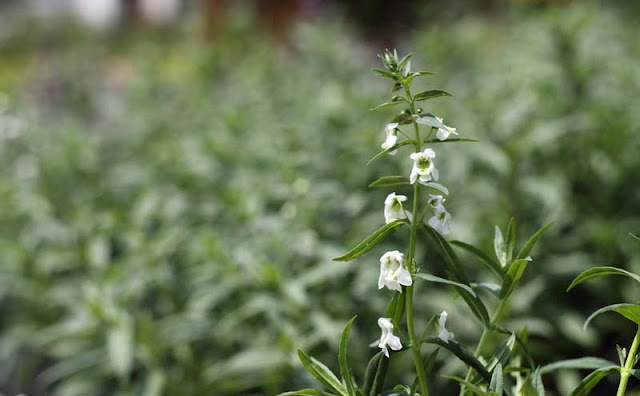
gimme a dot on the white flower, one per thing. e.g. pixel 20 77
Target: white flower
pixel 392 271
pixel 393 209
pixel 423 168
pixel 443 133
pixel 391 130
pixel 440 219
pixel 387 339
pixel 443 334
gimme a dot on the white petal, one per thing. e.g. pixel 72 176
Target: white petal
pixel 404 277
pixel 433 222
pixel 414 175
pixel 429 153
pixel 442 134
pixel 435 173
pixel 394 342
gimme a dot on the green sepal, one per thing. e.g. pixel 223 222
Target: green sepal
pixel 591 380
pixel 322 373
pixel 371 241
pixel 425 95
pixel 463 354
pixel 385 73
pixel 390 181
pixel 387 151
pixel 601 271
pixel 488 261
pixel 629 311
pixel 342 359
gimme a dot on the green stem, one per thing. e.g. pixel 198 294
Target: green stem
pixel 486 332
pixel 415 343
pixel 628 365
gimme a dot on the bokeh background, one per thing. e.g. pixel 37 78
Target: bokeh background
pixel 175 177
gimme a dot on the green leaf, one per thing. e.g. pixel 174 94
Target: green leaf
pixel 322 374
pixel 395 309
pixel 424 73
pixel 589 362
pixel 387 151
pixel 468 385
pixel 629 311
pixel 635 236
pixel 425 95
pixel 437 279
pixel 497 381
pixel 371 241
pixel 385 73
pixel 489 262
pixel 492 288
pixel 511 239
pixel 524 252
pixel 375 374
pixel 390 181
pixel 388 104
pixel 306 392
pixel 463 354
pixel 437 186
pixel 591 380
pixel 429 119
pixel 342 358
pixel 513 275
pixel 453 140
pixel 601 271
pixel 499 247
pixel 454 271
pixel 501 356
pixel 537 383
pixel 622 354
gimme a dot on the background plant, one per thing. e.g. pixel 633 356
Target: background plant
pixel 121 170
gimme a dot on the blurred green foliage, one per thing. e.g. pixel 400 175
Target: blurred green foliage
pixel 170 207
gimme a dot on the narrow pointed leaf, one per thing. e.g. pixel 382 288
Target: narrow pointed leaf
pixel 437 279
pixel 424 73
pixel 425 95
pixel 385 73
pixel 488 261
pixel 468 385
pixel 306 392
pixel 513 275
pixel 322 374
pixel 526 249
pixel 438 187
pixel 371 241
pixel 601 271
pixel 452 140
pixel 537 383
pixel 375 374
pixel 387 151
pixel 635 236
pixel 463 354
pixel 589 362
pixel 454 271
pixel 342 359
pixel 490 287
pixel 390 181
pixel 499 247
pixel 388 104
pixel 510 242
pixel 629 311
pixel 497 381
pixel 591 380
pixel 502 355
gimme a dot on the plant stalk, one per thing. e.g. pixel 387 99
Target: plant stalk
pixel 415 343
pixel 628 364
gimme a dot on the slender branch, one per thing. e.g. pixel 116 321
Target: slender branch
pixel 628 365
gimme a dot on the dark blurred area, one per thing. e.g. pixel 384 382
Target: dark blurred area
pixel 176 176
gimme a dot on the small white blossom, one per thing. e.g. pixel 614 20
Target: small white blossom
pixel 393 209
pixel 443 334
pixel 392 271
pixel 387 339
pixel 440 219
pixel 443 133
pixel 423 169
pixel 391 130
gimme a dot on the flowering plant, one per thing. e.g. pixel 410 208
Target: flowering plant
pixel 509 368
